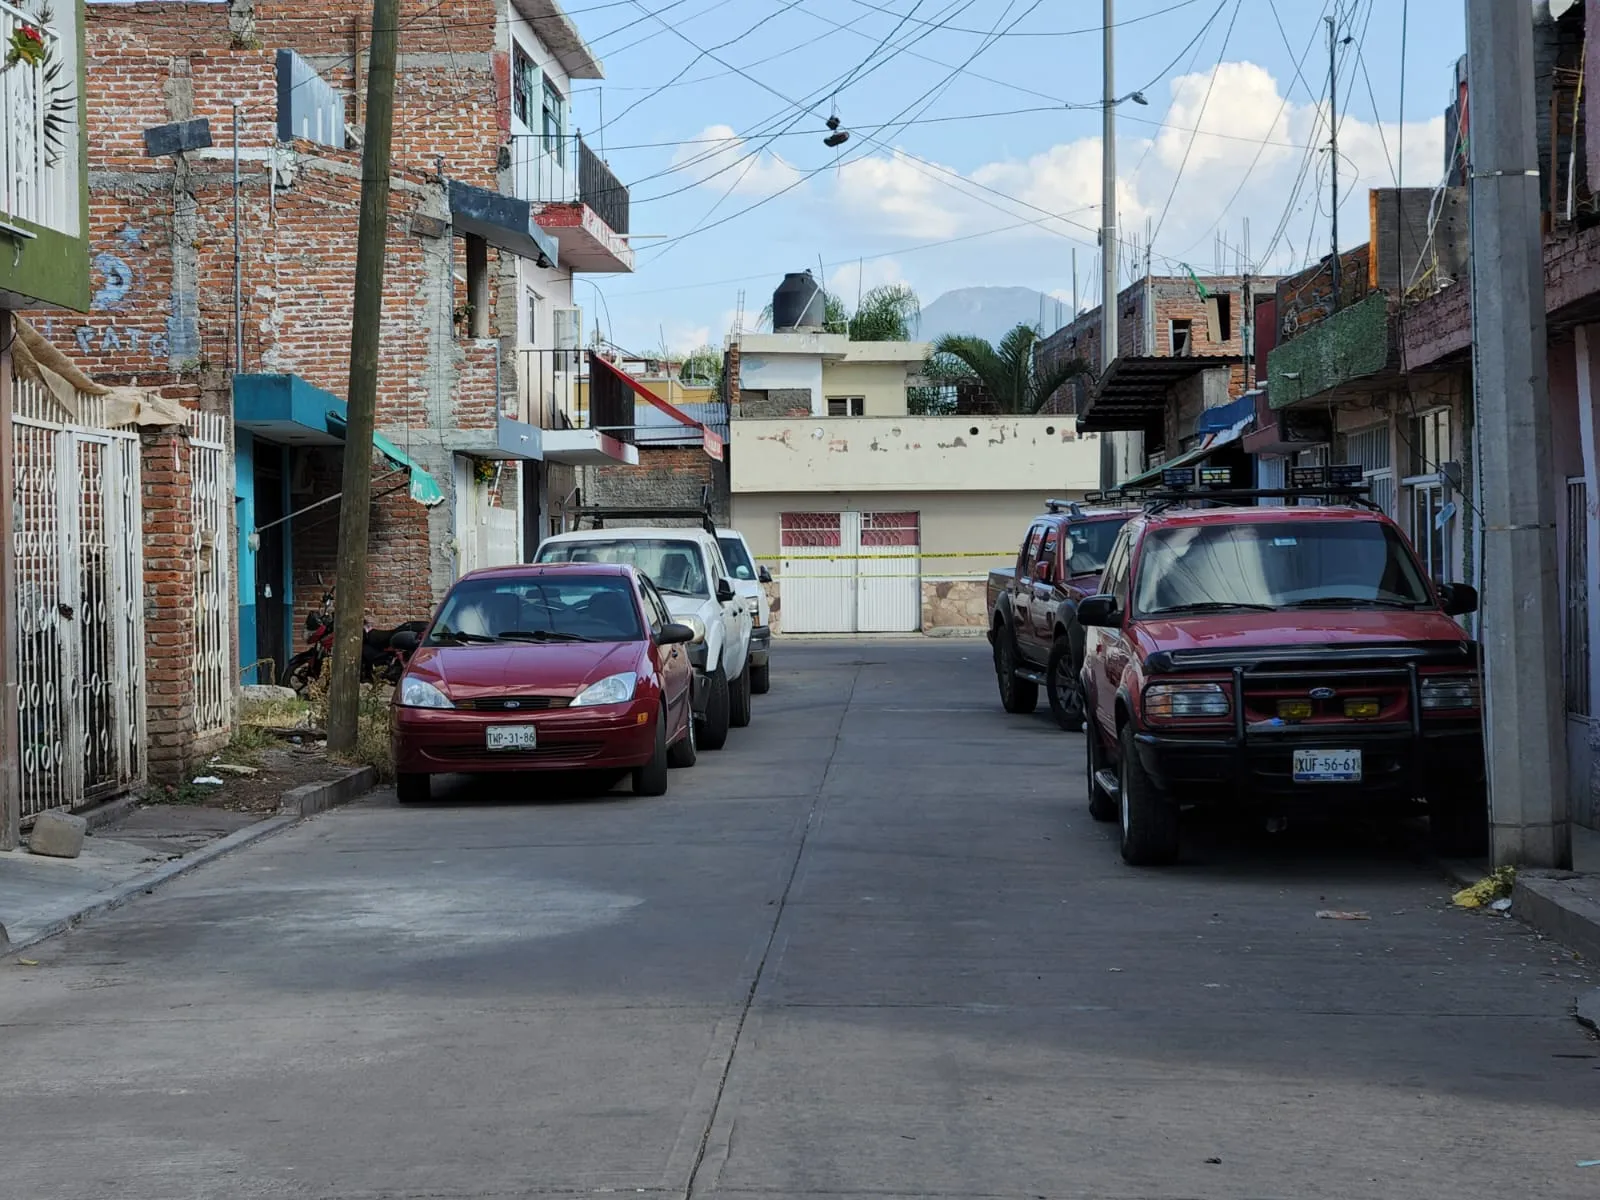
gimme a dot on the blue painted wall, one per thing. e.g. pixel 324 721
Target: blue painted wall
pixel 244 511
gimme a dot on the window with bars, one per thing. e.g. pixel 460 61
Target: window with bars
pixel 522 77
pixel 1371 450
pixel 555 121
pixel 1575 645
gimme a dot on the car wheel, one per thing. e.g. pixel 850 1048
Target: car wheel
pixel 739 698
pixel 713 731
pixel 1101 806
pixel 685 750
pixel 1016 695
pixel 651 779
pixel 1149 819
pixel 413 789
pixel 1458 822
pixel 1066 693
pixel 761 679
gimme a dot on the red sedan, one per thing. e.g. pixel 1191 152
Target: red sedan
pixel 547 668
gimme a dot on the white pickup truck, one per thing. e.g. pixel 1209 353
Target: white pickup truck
pixel 748 580
pixel 687 568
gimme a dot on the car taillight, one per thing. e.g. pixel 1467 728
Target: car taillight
pixel 1451 693
pixel 1186 701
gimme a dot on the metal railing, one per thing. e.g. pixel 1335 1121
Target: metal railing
pixel 563 170
pixel 38 130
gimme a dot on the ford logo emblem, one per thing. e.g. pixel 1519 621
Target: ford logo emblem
pixel 1322 693
pixel 518 703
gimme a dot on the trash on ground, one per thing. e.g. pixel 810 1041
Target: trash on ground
pixel 1213 1162
pixel 27 962
pixel 1593 1162
pixel 1491 887
pixel 1502 905
pixel 208 780
pixel 234 769
pixel 1334 914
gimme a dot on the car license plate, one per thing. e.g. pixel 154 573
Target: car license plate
pixel 1327 766
pixel 512 737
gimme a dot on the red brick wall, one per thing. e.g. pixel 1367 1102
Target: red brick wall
pixel 169 590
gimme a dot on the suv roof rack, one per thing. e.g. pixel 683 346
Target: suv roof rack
pixel 1073 508
pixel 1159 499
pixel 600 513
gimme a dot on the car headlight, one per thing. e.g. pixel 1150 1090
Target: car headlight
pixel 419 693
pixel 1181 701
pixel 699 627
pixel 613 689
pixel 1451 693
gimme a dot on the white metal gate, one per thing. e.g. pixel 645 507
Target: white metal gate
pixel 1575 648
pixel 211 508
pixel 850 572
pixel 78 540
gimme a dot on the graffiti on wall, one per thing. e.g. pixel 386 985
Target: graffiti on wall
pixel 112 327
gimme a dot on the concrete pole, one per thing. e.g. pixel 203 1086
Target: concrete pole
pixel 355 509
pixel 1108 199
pixel 1524 723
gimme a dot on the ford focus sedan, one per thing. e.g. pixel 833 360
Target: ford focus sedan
pixel 547 668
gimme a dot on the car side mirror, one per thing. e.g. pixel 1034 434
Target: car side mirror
pixel 764 575
pixel 1041 570
pixel 1458 599
pixel 1099 612
pixel 675 635
pixel 725 591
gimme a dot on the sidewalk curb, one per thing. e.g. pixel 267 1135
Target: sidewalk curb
pixel 296 805
pixel 1551 904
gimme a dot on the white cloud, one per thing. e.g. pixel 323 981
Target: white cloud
pixel 719 158
pixel 898 194
pixel 854 279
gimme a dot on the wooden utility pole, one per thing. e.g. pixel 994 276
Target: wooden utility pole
pixel 350 594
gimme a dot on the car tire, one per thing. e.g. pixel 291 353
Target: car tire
pixel 412 788
pixel 1149 819
pixel 1458 822
pixel 1016 695
pixel 713 731
pixel 1066 692
pixel 739 712
pixel 761 679
pixel 651 778
pixel 686 749
pixel 1101 806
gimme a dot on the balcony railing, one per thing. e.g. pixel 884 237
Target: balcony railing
pixel 563 170
pixel 38 131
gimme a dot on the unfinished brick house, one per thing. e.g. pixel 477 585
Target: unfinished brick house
pixel 495 204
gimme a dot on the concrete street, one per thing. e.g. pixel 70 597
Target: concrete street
pixel 875 948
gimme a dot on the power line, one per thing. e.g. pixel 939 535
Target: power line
pixel 1048 33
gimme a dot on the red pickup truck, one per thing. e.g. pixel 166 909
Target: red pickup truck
pixel 1037 643
pixel 1275 661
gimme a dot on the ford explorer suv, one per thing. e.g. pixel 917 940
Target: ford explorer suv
pixel 1032 605
pixel 1278 661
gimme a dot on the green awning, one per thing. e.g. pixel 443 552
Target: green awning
pixel 425 489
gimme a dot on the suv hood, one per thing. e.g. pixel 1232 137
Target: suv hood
pixel 521 668
pixel 1312 627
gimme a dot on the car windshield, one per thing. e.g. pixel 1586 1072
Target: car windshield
pixel 538 608
pixel 1089 545
pixel 675 566
pixel 1276 565
pixel 737 557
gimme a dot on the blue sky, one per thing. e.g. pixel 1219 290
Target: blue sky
pixel 713 112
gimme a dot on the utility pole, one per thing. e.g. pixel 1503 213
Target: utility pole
pixel 1110 443
pixel 1525 728
pixel 1333 147
pixel 10 732
pixel 350 594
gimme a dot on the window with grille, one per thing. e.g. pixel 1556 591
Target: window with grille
pixel 555 121
pixel 1370 450
pixel 1575 646
pixel 522 75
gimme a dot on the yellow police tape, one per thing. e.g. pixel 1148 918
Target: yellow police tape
pixel 1010 554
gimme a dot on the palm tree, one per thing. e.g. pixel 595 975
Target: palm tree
pixel 1007 372
pixel 885 314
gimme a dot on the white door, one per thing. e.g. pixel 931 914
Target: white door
pixel 851 572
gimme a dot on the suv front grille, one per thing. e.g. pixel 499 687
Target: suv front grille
pixel 1326 697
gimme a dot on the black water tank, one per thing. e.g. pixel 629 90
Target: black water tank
pixel 798 302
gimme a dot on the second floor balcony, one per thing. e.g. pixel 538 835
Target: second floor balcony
pixel 576 198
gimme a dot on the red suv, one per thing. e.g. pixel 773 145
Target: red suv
pixel 1279 660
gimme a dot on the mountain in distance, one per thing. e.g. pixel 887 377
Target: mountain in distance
pixel 990 312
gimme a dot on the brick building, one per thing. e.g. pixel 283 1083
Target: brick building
pixel 1183 365
pixel 495 204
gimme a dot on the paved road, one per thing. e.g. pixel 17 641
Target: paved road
pixel 875 948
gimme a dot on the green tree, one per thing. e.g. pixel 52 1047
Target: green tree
pixel 1006 372
pixel 702 368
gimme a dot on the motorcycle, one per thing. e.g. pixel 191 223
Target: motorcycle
pixel 384 652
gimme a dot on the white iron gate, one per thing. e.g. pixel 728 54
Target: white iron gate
pixel 850 572
pixel 211 507
pixel 79 613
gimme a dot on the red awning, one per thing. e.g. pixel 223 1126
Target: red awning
pixel 710 440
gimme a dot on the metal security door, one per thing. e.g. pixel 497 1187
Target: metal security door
pixel 79 612
pixel 888 583
pixel 211 507
pixel 817 579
